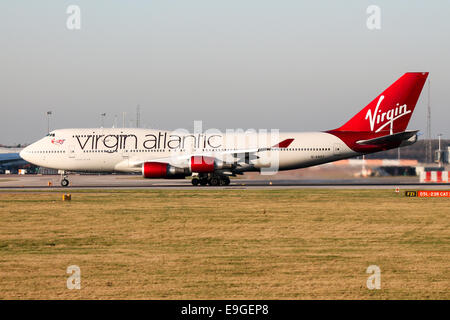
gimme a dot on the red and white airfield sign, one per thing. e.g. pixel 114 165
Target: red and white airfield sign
pixel 434 176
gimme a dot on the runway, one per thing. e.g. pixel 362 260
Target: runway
pixel 137 182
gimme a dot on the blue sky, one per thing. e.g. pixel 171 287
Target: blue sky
pixel 289 65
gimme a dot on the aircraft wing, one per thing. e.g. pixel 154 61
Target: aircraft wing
pixel 235 156
pixel 181 159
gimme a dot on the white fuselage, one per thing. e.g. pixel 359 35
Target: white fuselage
pixel 124 150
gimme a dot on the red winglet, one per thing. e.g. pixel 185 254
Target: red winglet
pixel 283 144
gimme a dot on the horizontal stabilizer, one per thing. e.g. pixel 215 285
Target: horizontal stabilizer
pixel 396 137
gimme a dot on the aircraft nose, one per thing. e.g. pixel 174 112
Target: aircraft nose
pixel 24 152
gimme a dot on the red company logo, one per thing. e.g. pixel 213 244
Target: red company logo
pixel 60 141
pixel 386 118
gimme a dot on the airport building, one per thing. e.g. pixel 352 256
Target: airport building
pixel 12 163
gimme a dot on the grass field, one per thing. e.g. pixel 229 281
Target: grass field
pixel 224 244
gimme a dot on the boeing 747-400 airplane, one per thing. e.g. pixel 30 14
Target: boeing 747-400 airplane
pixel 212 157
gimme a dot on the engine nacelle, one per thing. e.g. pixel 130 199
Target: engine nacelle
pixel 162 170
pixel 204 164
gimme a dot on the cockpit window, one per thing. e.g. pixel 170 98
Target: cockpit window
pixel 50 134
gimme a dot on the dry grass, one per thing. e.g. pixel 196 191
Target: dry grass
pixel 224 244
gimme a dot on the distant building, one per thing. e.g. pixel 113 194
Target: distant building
pixel 10 161
pixel 447 155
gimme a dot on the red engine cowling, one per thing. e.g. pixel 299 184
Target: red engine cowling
pixel 162 170
pixel 154 170
pixel 202 164
pixel 205 164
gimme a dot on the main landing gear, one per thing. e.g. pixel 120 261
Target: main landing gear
pixel 212 180
pixel 64 180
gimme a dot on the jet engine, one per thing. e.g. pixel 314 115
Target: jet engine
pixel 162 170
pixel 204 164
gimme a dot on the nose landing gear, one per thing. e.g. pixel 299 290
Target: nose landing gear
pixel 64 180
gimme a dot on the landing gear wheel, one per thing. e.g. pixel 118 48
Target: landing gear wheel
pixel 203 182
pixel 214 181
pixel 195 182
pixel 225 181
pixel 64 182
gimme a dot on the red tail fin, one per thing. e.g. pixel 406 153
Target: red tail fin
pixel 391 110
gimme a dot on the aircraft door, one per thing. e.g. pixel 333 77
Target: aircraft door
pixel 71 151
pixel 125 156
pixel 337 149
